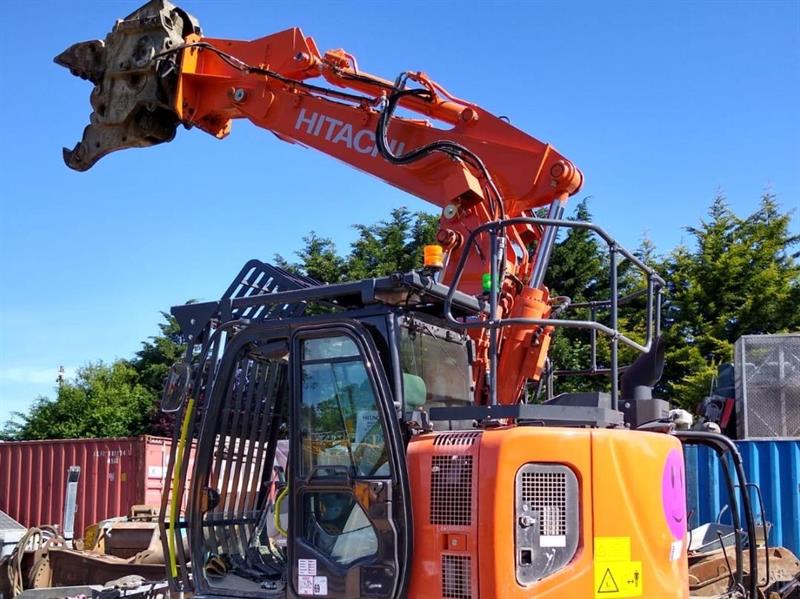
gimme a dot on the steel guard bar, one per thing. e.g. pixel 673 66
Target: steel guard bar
pixel 655 283
pixel 654 286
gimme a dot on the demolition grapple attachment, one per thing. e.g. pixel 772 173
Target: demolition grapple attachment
pixel 135 75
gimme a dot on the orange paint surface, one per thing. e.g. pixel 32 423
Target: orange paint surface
pixel 620 475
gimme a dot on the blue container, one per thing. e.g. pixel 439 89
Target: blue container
pixel 773 465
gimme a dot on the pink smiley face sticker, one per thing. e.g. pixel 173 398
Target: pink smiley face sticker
pixel 673 494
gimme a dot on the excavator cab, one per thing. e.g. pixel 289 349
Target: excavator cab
pixel 299 408
pixel 338 496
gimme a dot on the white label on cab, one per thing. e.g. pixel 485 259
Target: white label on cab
pixel 305 585
pixel 320 585
pixel 307 567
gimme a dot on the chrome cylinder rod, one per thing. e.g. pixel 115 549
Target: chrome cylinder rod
pixel 546 243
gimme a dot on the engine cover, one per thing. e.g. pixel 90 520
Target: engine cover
pixel 548 512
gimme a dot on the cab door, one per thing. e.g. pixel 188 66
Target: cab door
pixel 349 530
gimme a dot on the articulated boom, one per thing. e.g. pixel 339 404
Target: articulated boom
pixel 155 71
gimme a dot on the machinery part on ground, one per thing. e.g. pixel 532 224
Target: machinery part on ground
pixel 710 573
pixel 125 546
pixel 115 589
pixel 28 564
pixel 78 592
pixel 138 541
pixel 70 499
pixel 72 567
pixel 143 513
pixel 94 535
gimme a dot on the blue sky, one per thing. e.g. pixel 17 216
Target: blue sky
pixel 660 104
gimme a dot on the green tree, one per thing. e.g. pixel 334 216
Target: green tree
pixel 318 260
pixel 158 353
pixel 739 277
pixel 100 401
pixel 392 245
pixel 577 266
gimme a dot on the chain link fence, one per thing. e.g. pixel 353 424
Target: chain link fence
pixel 768 386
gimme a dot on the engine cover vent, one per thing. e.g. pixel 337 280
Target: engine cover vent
pixel 547 528
pixel 456 576
pixel 451 490
pixel 466 438
pixel 546 493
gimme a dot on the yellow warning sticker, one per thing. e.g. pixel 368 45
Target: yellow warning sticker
pixel 615 575
pixel 617 579
pixel 612 549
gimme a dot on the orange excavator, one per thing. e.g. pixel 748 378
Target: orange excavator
pixel 387 437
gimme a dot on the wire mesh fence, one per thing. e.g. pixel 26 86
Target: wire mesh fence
pixel 768 386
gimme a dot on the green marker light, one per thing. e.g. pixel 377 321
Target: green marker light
pixel 486 280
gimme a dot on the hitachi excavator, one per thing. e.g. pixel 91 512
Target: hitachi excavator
pixel 388 437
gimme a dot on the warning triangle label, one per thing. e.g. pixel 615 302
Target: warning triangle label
pixel 607 583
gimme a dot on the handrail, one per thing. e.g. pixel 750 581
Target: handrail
pixel 653 290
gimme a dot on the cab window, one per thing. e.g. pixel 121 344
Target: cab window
pixel 435 365
pixel 340 425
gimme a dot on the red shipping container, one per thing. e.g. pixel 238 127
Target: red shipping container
pixel 116 474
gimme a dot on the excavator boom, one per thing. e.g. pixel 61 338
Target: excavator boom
pixel 156 71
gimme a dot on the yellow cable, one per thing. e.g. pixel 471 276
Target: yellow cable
pixel 176 477
pixel 278 500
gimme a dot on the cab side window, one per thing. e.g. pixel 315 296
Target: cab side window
pixel 341 436
pixel 340 425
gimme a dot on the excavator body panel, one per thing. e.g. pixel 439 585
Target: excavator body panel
pixel 532 511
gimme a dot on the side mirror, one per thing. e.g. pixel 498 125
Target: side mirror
pixel 176 389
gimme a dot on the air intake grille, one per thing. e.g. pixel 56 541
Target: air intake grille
pixel 456 576
pixel 548 522
pixel 451 490
pixel 546 493
pixel 456 438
